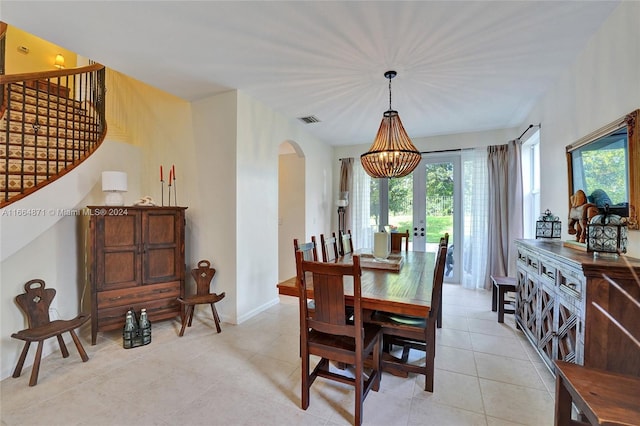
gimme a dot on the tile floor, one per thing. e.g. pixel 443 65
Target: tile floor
pixel 486 374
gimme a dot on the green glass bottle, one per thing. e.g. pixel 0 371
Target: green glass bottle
pixel 129 332
pixel 145 327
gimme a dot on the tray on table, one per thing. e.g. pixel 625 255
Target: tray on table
pixel 393 263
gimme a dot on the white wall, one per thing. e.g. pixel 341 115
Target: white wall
pixel 211 217
pixel 601 86
pixel 55 252
pixel 260 132
pixel 291 212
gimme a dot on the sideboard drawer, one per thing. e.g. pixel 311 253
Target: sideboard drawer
pixel 157 309
pixel 129 296
pixel 570 282
pixel 548 270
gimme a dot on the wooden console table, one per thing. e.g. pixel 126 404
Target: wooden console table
pixel 556 291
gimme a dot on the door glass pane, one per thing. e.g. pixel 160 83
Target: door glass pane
pixel 440 199
pixel 401 204
pixel 374 204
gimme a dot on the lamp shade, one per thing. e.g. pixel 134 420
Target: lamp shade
pixel 59 61
pixel 114 181
pixel 392 153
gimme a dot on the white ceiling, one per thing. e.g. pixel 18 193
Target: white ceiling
pixel 462 66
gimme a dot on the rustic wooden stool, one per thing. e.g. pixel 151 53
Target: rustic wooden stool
pixel 501 285
pixel 202 276
pixel 35 302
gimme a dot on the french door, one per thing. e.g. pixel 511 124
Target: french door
pixel 427 202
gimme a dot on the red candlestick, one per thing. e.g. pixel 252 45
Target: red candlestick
pixel 173 169
pixel 170 176
pixel 161 179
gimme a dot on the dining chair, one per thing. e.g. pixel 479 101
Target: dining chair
pixel 448 257
pixel 414 332
pixel 329 248
pixel 328 335
pixel 396 241
pixel 35 303
pixel 345 242
pixel 309 250
pixel 202 275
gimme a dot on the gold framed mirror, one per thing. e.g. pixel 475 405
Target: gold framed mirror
pixel 605 164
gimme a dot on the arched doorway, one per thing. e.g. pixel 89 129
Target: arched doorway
pixel 291 205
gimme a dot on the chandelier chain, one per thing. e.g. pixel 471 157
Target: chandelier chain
pixel 390 93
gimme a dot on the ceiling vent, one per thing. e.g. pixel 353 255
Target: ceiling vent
pixel 309 119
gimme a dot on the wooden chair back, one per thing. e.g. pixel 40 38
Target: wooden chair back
pixel 438 280
pixel 35 302
pixel 203 275
pixel 396 241
pixel 329 248
pixel 329 301
pixel 346 242
pixel 309 250
pixel 329 335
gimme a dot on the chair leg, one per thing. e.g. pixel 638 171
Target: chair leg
pixel 63 347
pixel 36 365
pixel 494 298
pixel 377 364
pixel 430 355
pixel 81 351
pixel 186 319
pixel 359 386
pixel 304 394
pixel 216 318
pixel 23 356
pixel 501 306
pixel 192 309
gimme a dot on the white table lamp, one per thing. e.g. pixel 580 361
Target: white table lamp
pixel 113 185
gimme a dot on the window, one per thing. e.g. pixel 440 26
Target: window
pixel 531 184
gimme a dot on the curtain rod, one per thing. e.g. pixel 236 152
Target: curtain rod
pixel 527 129
pixel 459 149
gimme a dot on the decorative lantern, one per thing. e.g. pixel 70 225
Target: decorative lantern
pixel 548 226
pixel 607 233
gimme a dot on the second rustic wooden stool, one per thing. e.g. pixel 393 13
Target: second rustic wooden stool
pixel 502 285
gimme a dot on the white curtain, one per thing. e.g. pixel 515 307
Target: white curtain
pixel 475 207
pixel 360 204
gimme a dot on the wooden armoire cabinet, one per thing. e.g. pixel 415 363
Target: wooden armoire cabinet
pixel 136 261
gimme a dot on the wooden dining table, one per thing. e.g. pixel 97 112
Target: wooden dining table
pixel 407 291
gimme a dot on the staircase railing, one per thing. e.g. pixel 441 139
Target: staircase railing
pixel 52 121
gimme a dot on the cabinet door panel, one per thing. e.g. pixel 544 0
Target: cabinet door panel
pixel 162 234
pixel 567 332
pixel 546 331
pixel 118 261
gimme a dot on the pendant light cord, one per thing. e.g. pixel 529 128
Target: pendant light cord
pixel 390 93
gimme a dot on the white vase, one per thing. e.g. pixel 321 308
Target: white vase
pixel 381 245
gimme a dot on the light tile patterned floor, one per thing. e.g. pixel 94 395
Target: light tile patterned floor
pixel 486 374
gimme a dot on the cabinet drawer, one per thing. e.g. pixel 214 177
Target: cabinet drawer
pixel 548 270
pixel 570 282
pixel 113 318
pixel 533 263
pixel 522 256
pixel 130 296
